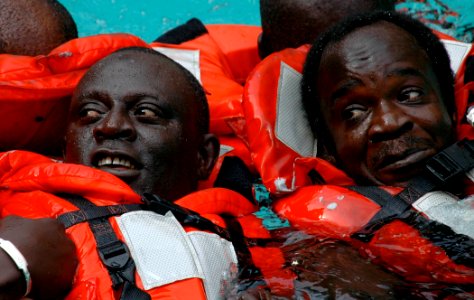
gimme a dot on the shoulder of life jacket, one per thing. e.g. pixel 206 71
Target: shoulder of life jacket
pixel 220 56
pixel 191 264
pixel 278 135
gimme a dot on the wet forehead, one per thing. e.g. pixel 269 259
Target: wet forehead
pixel 133 73
pixel 376 46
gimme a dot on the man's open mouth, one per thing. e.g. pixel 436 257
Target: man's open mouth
pixel 116 162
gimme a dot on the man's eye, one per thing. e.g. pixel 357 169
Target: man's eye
pixel 92 113
pixel 89 113
pixel 146 112
pixel 410 95
pixel 353 112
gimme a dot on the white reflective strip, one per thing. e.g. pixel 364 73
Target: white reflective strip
pixel 445 208
pixel 161 249
pixel 470 115
pixel 219 263
pixel 457 52
pixel 280 185
pixel 187 58
pixel 224 149
pixel 470 175
pixel 290 127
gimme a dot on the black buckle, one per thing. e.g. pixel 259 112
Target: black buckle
pixel 115 255
pixel 451 162
pixel 443 167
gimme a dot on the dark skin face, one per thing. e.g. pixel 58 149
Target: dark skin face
pixel 382 105
pixel 134 115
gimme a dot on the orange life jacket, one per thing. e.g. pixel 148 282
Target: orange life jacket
pixel 223 54
pixel 222 57
pixel 33 186
pixel 411 245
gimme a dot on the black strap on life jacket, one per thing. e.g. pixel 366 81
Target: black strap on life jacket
pixel 186 217
pixel 183 33
pixel 112 251
pixel 441 170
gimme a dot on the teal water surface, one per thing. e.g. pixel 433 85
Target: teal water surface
pixel 150 18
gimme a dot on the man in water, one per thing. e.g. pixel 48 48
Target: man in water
pixel 378 91
pixel 151 133
pixel 379 103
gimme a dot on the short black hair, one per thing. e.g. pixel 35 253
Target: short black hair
pixel 426 39
pixel 69 27
pixel 34 27
pixel 202 105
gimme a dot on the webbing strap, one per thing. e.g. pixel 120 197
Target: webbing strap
pixel 186 217
pixel 79 216
pixel 112 251
pixel 249 274
pixel 440 170
pixel 391 207
pixel 459 247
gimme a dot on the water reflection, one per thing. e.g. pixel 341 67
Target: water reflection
pixel 331 269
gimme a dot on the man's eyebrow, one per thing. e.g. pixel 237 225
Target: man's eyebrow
pixel 409 71
pixel 344 89
pixel 92 94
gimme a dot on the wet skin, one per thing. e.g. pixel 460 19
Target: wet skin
pixel 134 115
pixel 381 101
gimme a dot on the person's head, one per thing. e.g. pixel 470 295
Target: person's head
pixel 292 23
pixel 378 92
pixel 34 27
pixel 144 118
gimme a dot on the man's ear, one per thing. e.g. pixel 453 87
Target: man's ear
pixel 207 155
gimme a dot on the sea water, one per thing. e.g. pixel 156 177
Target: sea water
pixel 150 18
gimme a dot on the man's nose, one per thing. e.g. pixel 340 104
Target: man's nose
pixel 116 124
pixel 389 121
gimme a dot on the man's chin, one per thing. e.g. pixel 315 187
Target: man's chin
pixel 399 179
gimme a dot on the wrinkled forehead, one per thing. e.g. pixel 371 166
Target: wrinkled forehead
pixel 133 72
pixel 379 44
pixel 382 36
pixel 132 75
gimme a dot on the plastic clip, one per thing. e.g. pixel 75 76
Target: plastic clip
pixel 115 255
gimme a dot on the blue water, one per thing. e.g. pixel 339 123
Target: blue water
pixel 150 18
